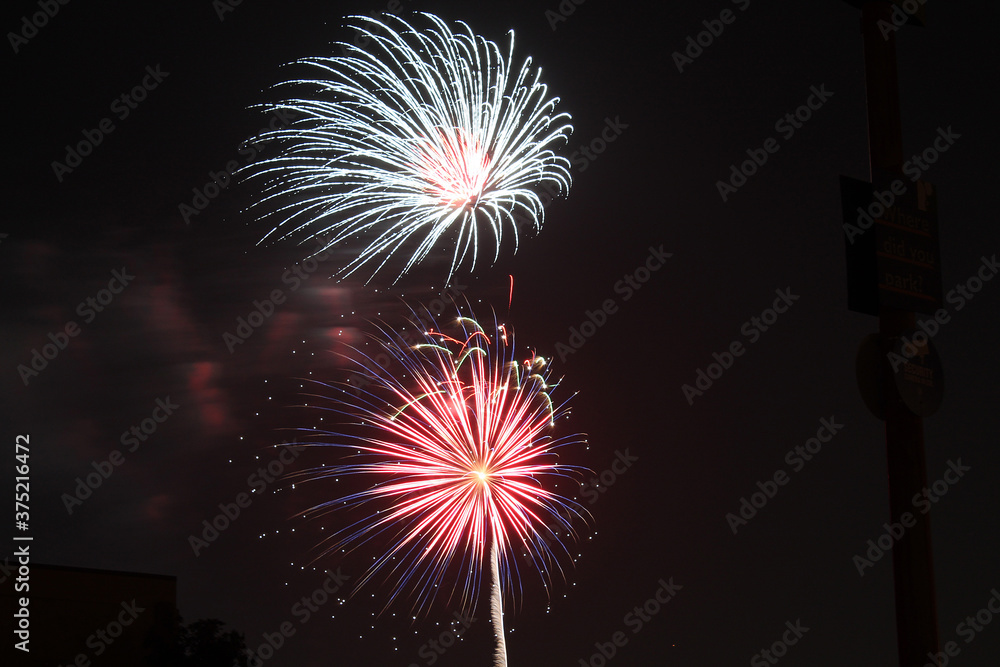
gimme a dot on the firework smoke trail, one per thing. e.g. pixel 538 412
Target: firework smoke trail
pixel 496 609
pixel 456 436
pixel 421 142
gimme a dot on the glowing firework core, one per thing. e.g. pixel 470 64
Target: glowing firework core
pixel 456 170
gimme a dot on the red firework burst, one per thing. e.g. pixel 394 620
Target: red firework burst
pixel 459 445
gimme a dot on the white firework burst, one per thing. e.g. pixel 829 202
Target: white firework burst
pixel 425 140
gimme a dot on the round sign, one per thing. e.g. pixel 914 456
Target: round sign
pixel 917 372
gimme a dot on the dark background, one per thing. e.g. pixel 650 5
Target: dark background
pixel 655 184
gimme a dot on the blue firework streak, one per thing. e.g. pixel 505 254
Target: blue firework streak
pixel 427 139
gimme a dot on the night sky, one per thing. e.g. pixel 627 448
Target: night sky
pixel 673 464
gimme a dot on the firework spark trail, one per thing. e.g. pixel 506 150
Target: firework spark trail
pixel 460 450
pixel 415 144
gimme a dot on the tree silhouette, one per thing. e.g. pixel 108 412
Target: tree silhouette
pixel 203 643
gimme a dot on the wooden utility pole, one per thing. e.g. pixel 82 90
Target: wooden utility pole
pixel 913 572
